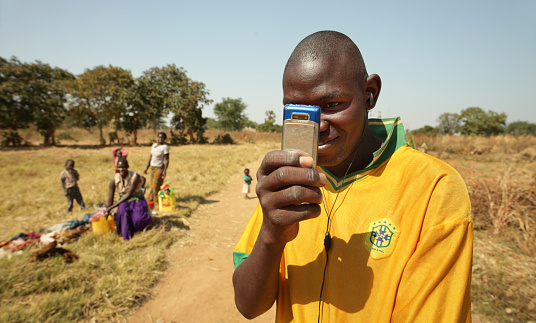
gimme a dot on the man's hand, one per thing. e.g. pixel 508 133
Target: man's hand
pixel 163 175
pixel 289 192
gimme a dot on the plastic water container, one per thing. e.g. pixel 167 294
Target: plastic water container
pixel 167 202
pixel 102 225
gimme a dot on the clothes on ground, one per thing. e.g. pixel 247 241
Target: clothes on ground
pixel 71 224
pixel 157 154
pixel 401 243
pixel 63 234
pixel 20 244
pixel 156 183
pixel 51 250
pixel 29 235
pixel 132 216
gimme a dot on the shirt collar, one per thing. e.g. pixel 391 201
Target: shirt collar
pixel 391 132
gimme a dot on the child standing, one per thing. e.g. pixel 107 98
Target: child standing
pixel 69 181
pixel 247 183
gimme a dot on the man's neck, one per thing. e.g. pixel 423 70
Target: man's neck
pixel 363 157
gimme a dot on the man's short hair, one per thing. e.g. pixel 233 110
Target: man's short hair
pixel 123 161
pixel 328 44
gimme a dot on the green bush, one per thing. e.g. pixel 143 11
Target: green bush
pixel 269 127
pixel 225 139
pixel 11 138
pixel 178 138
pixel 64 136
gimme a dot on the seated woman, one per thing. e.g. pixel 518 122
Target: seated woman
pixel 133 213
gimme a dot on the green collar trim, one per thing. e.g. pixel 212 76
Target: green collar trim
pixel 391 131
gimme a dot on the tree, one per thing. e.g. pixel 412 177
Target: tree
pixel 269 123
pixel 156 89
pixel 169 90
pixel 211 123
pixel 101 94
pixel 230 114
pixel 15 113
pixel 520 128
pixel 188 111
pixel 48 87
pixel 426 130
pixel 475 121
pixel 250 124
pixel 448 123
pixel 32 92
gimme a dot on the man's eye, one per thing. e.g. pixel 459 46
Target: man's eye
pixel 332 104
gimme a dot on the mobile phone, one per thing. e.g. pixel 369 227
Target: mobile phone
pixel 300 129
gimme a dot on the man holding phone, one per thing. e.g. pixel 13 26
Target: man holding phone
pixel 379 231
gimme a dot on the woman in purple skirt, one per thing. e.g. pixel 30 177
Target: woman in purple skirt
pixel 132 212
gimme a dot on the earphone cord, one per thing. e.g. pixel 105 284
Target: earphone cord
pixel 328 226
pixel 327 245
pixel 327 238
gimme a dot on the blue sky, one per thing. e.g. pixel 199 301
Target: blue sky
pixel 433 56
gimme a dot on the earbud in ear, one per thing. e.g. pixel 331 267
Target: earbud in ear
pixel 371 98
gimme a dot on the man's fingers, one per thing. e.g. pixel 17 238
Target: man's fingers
pixel 287 176
pixel 290 215
pixel 279 158
pixel 292 195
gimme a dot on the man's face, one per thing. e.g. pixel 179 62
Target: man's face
pixel 341 97
pixel 122 169
pixel 161 139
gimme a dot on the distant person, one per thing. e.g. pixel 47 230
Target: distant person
pixel 69 181
pixel 132 212
pixel 247 183
pixel 117 153
pixel 158 162
pixel 378 232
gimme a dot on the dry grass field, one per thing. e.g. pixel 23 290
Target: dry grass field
pixel 112 277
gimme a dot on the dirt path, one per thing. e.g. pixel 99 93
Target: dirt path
pixel 197 286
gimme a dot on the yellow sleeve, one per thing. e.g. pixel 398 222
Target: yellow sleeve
pixel 436 283
pixel 249 236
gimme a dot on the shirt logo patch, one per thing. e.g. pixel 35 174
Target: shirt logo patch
pixel 381 238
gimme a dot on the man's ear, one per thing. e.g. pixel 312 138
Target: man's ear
pixel 374 85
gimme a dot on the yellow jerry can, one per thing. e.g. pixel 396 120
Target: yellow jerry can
pixel 102 225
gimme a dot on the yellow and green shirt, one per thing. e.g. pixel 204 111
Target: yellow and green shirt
pixel 401 247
